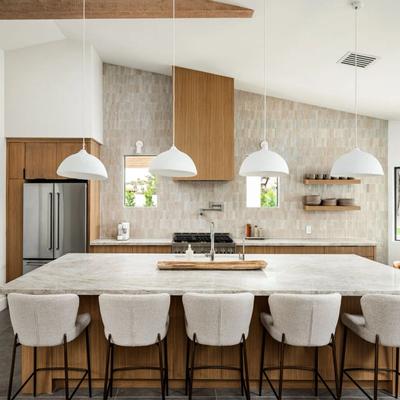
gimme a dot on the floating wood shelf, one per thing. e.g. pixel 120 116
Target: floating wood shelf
pixel 332 208
pixel 332 181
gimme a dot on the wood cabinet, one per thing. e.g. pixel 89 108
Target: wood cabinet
pixel 363 251
pixel 131 249
pixel 39 159
pixel 204 122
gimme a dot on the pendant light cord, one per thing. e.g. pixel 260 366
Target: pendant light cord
pixel 265 70
pixel 173 70
pixel 356 70
pixel 83 70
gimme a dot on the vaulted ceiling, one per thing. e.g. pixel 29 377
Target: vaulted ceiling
pixel 305 39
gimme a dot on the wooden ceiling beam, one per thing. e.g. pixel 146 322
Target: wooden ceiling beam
pixel 118 9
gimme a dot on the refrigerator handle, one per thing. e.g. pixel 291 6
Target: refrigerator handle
pixel 51 221
pixel 58 221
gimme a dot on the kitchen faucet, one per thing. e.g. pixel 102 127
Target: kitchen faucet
pixel 212 234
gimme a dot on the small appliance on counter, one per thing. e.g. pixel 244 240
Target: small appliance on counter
pixel 123 231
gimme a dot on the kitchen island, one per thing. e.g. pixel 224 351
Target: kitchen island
pixel 90 275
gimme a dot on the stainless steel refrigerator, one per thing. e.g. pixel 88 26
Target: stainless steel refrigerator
pixel 54 221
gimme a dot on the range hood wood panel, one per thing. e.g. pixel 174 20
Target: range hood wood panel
pixel 204 123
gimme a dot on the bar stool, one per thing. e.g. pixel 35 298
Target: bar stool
pixel 217 320
pixel 135 321
pixel 301 320
pixel 48 321
pixel 379 325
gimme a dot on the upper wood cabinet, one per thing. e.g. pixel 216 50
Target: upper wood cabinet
pixel 204 122
pixel 15 160
pixel 41 160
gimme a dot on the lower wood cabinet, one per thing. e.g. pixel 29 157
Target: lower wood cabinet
pixel 363 251
pixel 130 249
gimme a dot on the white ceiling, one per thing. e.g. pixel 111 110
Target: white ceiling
pixel 305 40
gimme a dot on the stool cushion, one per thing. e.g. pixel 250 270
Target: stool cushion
pixel 356 323
pixel 380 316
pixel 218 319
pixel 135 320
pixel 306 320
pixel 43 320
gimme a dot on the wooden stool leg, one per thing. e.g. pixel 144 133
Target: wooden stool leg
pixel 241 368
pixel 335 367
pixel 166 366
pixel 187 366
pixel 161 367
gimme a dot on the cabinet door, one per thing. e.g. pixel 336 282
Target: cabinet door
pixel 15 160
pixel 204 126
pixel 14 236
pixel 41 160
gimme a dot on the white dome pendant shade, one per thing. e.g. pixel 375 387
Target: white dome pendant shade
pixel 173 163
pixel 264 162
pixel 357 163
pixel 82 165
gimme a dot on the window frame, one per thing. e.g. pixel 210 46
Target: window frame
pixel 278 195
pixel 124 180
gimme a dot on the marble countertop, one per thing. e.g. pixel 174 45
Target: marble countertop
pixel 264 242
pixel 93 274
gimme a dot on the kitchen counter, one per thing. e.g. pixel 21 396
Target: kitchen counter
pixel 306 242
pixel 93 274
pixel 89 275
pixel 263 242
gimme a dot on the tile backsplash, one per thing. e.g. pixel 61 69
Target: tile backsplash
pixel 138 106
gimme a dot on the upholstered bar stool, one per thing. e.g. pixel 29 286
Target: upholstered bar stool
pixel 135 321
pixel 217 320
pixel 379 325
pixel 48 321
pixel 305 321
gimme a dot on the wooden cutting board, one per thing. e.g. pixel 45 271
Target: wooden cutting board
pixel 227 265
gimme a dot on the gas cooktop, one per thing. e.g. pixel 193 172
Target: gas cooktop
pixel 201 242
pixel 201 238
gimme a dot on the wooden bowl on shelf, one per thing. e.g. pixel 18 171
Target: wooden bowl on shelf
pixel 329 202
pixel 312 200
pixel 346 202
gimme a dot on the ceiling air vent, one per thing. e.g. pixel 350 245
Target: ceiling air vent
pixel 363 60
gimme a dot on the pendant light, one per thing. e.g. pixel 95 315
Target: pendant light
pixel 173 162
pixel 83 165
pixel 264 162
pixel 356 163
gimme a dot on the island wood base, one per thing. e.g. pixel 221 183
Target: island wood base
pixel 358 354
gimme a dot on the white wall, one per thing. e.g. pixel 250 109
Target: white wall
pixel 2 184
pixel 393 161
pixel 43 91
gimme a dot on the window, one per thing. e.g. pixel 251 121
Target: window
pixel 397 203
pixel 139 184
pixel 262 192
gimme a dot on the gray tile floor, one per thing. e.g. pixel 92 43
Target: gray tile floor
pixel 6 338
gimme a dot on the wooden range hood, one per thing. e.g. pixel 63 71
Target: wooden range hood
pixel 115 9
pixel 204 123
